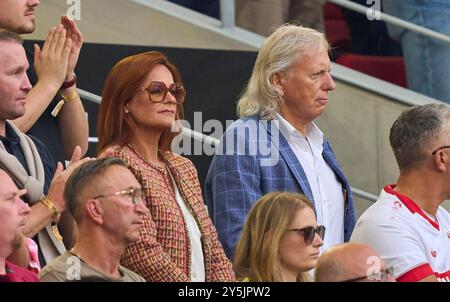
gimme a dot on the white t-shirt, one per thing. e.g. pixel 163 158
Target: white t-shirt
pixel 410 240
pixel 327 191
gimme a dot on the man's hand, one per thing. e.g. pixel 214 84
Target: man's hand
pixel 52 61
pixel 107 153
pixel 56 190
pixel 76 36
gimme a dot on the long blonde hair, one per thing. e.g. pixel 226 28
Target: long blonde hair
pixel 277 54
pixel 256 254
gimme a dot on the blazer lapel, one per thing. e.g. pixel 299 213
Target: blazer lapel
pixel 278 140
pixel 183 186
pixel 329 159
pixel 185 189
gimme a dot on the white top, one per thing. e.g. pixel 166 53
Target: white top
pixel 197 260
pixel 415 243
pixel 326 189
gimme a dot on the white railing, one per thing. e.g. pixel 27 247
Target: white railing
pixel 227 14
pixel 392 20
pixel 198 136
pixel 89 96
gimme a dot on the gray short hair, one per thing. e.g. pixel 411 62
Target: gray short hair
pixel 277 54
pixel 82 177
pixel 9 36
pixel 331 270
pixel 414 129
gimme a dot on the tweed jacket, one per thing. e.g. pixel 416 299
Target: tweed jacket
pixel 163 250
pixel 252 159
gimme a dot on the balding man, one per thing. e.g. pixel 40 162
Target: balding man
pixel 351 262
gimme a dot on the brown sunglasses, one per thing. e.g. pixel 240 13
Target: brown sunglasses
pixel 157 91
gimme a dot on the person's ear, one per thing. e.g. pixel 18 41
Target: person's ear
pixel 441 159
pixel 125 108
pixel 94 210
pixel 278 81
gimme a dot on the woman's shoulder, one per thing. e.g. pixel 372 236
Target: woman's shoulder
pixel 177 160
pixel 121 151
pixel 125 153
pixel 180 165
pixel 110 151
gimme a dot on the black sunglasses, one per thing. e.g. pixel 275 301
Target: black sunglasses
pixel 309 233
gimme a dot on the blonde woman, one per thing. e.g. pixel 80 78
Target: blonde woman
pixel 280 240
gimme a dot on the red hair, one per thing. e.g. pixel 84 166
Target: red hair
pixel 125 78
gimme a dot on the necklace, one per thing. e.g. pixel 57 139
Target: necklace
pixel 162 168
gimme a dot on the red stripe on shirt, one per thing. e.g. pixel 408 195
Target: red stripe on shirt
pixel 444 277
pixel 410 204
pixel 416 274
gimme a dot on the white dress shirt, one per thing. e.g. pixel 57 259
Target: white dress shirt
pixel 326 189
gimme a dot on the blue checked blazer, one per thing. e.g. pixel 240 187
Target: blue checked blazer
pixel 243 170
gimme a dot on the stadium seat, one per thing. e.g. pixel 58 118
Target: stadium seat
pixel 390 69
pixel 336 28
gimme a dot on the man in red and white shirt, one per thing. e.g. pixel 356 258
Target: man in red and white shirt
pixel 407 225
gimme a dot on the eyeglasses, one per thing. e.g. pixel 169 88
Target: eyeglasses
pixel 157 91
pixel 137 195
pixel 309 233
pixel 443 147
pixel 382 276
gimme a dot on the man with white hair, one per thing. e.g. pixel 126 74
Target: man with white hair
pixel 407 225
pixel 276 146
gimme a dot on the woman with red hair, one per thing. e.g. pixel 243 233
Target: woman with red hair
pixel 143 96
